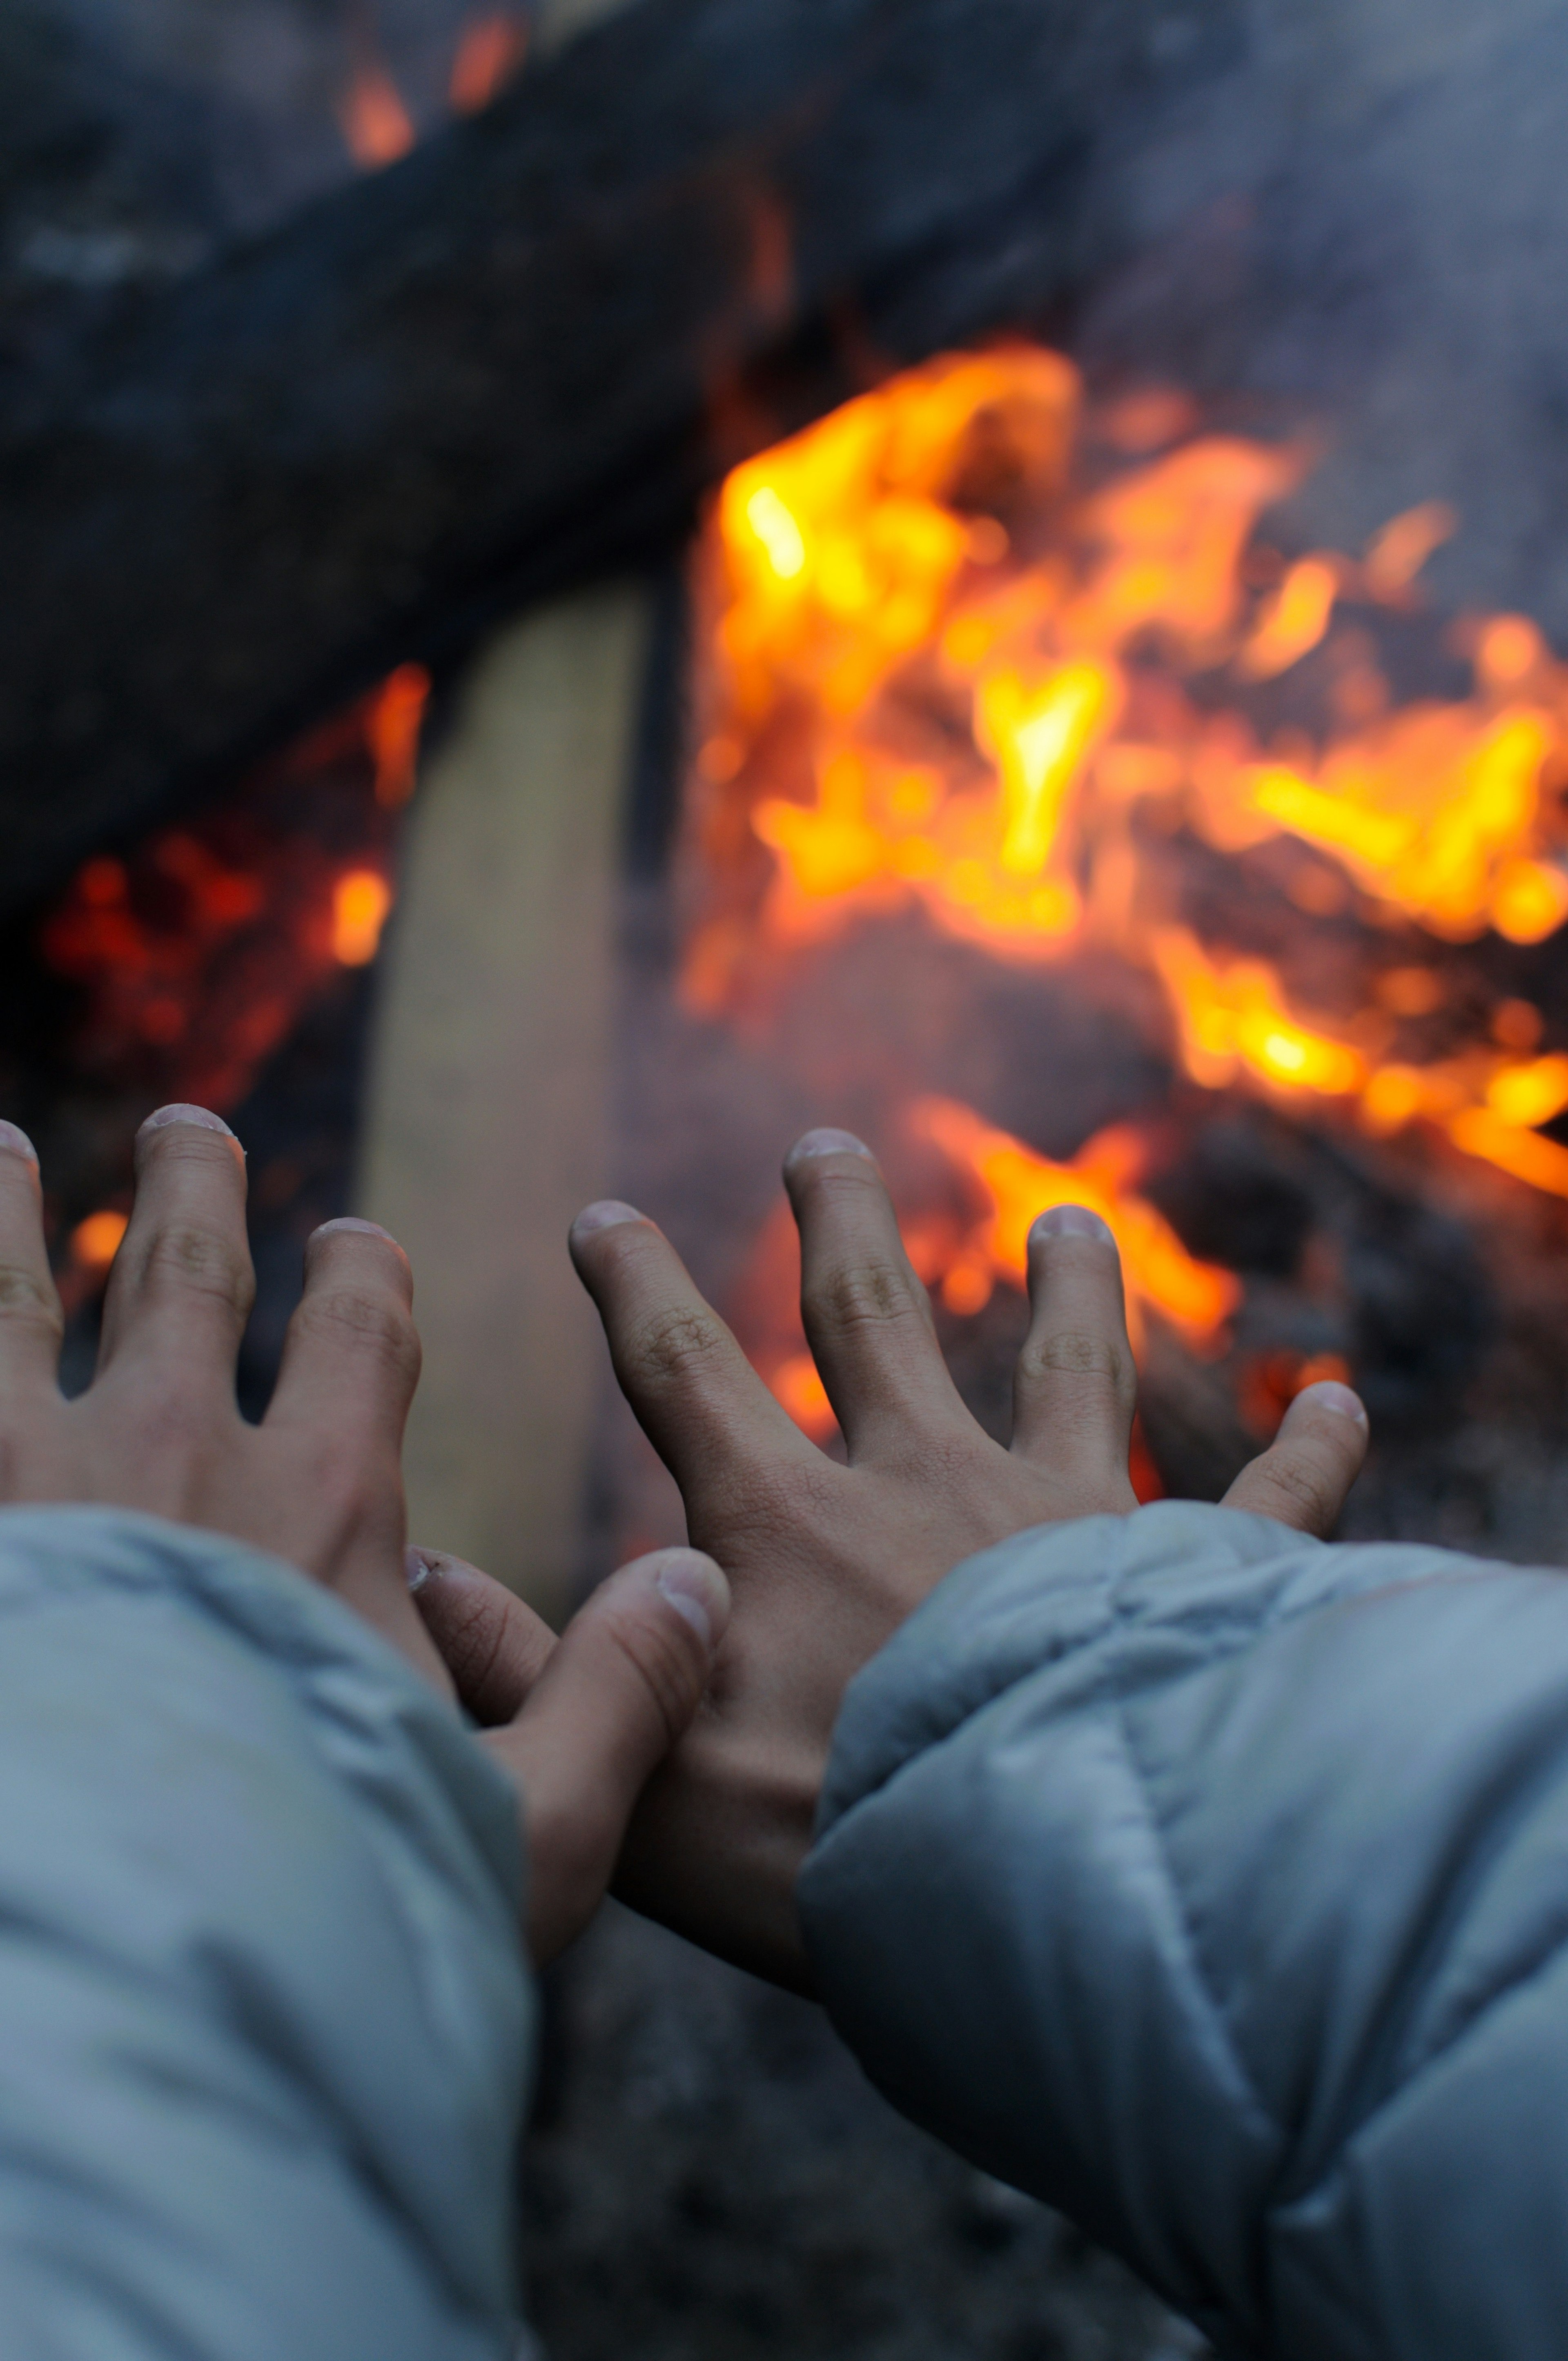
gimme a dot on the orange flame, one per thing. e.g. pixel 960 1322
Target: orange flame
pixel 490 50
pixel 375 123
pixel 949 679
pixel 1233 1021
pixel 95 1242
pixel 1020 1185
pixel 360 902
pixel 393 721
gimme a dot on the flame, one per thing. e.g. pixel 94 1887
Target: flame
pixel 963 669
pixel 375 123
pixel 393 724
pixel 797 1384
pixel 1233 1021
pixel 95 1242
pixel 1019 1185
pixel 194 954
pixel 490 50
pixel 1293 621
pixel 360 902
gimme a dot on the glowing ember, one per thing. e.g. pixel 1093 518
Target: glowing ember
pixel 982 655
pixel 393 724
pixel 360 902
pixel 490 50
pixel 195 955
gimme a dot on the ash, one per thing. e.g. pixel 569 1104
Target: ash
pixel 710 2178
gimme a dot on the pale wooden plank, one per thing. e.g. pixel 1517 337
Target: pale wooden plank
pixel 486 1120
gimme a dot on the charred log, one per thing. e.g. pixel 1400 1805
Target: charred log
pixel 512 359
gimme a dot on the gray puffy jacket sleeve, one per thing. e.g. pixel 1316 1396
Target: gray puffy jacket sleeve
pixel 1212 1885
pixel 263 2010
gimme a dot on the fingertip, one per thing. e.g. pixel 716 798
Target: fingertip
pixel 355 1227
pixel 14 1142
pixel 825 1140
pixel 1328 1394
pixel 695 1586
pixel 1072 1222
pixel 606 1214
pixel 328 1235
pixel 181 1116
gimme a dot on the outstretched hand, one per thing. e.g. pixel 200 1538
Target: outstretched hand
pixel 825 1561
pixel 318 1481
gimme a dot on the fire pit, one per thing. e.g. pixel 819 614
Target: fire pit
pixel 1054 822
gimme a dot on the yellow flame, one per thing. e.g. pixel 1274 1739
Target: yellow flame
pixel 1233 1021
pixel 865 590
pixel 1020 1185
pixel 360 901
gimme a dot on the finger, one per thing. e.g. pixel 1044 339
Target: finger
pixel 31 1321
pixel 351 1356
pixel 1302 1478
pixel 494 1647
pixel 181 1286
pixel 865 1312
pixel 1075 1386
pixel 621 1686
pixel 698 1400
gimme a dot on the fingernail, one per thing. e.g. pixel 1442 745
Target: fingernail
pixel 1071 1222
pixel 1331 1395
pixel 418 1566
pixel 826 1142
pixel 13 1137
pixel 202 1118
pixel 605 1215
pixel 353 1222
pixel 697 1590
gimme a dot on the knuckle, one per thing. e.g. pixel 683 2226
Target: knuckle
pixel 871 1294
pixel 669 1344
pixel 364 1323
pixel 1100 1367
pixel 195 1260
pixel 28 1300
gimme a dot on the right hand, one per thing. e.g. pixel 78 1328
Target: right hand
pixel 825 1561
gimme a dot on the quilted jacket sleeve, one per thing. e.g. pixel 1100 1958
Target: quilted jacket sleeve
pixel 263 2011
pixel 1213 1884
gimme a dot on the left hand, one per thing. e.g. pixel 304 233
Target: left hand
pixel 318 1481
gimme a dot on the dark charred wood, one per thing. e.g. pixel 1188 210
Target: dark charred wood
pixel 512 359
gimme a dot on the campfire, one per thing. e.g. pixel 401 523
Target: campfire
pixel 988 662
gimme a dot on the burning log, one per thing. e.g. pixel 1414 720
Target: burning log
pixel 501 365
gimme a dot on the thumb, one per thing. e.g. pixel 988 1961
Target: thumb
pixel 621 1688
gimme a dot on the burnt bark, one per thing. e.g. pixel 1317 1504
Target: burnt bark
pixel 512 359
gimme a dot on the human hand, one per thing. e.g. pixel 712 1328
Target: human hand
pixel 159 1429
pixel 825 1560
pixel 318 1481
pixel 577 1723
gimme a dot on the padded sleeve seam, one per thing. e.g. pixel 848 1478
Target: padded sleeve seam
pixel 1190 1941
